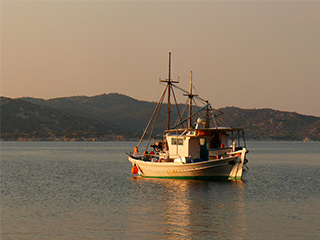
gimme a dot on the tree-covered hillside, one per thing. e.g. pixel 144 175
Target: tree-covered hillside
pixel 117 114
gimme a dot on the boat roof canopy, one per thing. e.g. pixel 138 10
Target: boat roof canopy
pixel 217 130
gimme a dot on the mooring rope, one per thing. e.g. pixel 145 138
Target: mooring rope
pixel 253 172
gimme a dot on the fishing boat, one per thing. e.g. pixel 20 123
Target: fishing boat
pixel 196 147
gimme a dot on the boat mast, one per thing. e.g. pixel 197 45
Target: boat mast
pixel 169 91
pixel 190 102
pixel 169 82
pixel 190 95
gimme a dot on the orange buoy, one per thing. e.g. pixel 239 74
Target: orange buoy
pixel 134 169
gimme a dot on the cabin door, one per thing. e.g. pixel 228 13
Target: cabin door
pixel 214 142
pixel 204 154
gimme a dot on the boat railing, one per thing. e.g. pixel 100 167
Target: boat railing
pixel 144 156
pixel 218 152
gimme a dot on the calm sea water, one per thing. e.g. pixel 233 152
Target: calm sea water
pixel 85 190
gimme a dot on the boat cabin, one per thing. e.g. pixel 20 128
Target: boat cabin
pixel 199 144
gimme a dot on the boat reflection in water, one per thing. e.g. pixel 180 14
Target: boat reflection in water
pixel 191 209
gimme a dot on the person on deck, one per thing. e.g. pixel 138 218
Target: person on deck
pixel 152 157
pixel 146 156
pixel 136 153
pixel 165 145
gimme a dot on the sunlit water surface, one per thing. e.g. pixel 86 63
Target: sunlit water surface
pixel 82 190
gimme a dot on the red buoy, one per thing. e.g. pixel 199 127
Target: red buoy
pixel 134 169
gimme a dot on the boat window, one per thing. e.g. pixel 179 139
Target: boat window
pixel 176 141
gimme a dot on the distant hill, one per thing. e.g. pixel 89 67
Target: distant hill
pixel 273 124
pixel 122 115
pixel 125 112
pixel 21 116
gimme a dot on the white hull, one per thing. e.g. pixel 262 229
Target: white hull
pixel 227 168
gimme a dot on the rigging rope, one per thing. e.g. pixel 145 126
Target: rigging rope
pixel 145 131
pixel 181 89
pixel 154 123
pixel 175 100
pixel 253 172
pixel 182 112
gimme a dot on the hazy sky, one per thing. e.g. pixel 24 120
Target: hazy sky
pixel 249 54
